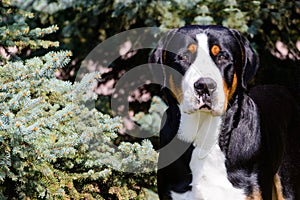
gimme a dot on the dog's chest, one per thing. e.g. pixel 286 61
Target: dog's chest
pixel 207 163
pixel 210 177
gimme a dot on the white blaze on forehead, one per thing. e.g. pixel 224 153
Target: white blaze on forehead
pixel 203 42
pixel 203 63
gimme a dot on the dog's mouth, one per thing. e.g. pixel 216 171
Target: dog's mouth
pixel 204 102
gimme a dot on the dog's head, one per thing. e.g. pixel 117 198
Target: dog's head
pixel 215 62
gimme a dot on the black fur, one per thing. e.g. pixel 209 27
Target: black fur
pixel 258 131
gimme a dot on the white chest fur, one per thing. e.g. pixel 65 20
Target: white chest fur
pixel 200 128
pixel 208 161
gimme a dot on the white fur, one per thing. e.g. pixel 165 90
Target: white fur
pixel 203 66
pixel 210 179
pixel 200 128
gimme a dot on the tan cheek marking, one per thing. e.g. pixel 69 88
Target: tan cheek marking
pixel 277 189
pixel 215 50
pixel 192 48
pixel 229 91
pixel 176 90
pixel 256 195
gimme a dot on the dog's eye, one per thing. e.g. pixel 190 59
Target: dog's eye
pixel 222 58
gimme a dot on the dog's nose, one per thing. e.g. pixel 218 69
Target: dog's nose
pixel 205 86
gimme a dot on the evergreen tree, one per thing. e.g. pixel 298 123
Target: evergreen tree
pixel 52 144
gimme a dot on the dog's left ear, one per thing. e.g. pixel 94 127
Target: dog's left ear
pixel 169 78
pixel 157 55
pixel 250 59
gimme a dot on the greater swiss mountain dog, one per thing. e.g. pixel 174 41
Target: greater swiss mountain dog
pixel 235 139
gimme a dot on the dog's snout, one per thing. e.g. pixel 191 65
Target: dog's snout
pixel 205 86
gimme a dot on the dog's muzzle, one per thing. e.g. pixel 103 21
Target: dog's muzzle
pixel 204 88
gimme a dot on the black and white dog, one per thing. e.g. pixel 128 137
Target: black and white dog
pixel 235 140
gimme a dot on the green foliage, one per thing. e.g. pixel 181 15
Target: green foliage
pixel 53 143
pixel 95 20
pixel 53 146
pixel 152 120
pixel 16 33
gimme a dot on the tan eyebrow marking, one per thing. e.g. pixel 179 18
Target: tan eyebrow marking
pixel 215 50
pixel 192 48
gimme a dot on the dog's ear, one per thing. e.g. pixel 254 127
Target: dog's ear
pixel 156 59
pixel 157 56
pixel 250 59
pixel 169 78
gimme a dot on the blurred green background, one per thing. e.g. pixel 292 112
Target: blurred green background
pixel 272 26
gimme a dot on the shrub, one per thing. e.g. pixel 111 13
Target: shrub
pixel 53 144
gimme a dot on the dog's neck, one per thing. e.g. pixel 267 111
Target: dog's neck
pixel 200 128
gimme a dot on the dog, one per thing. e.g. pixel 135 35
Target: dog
pixel 230 141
